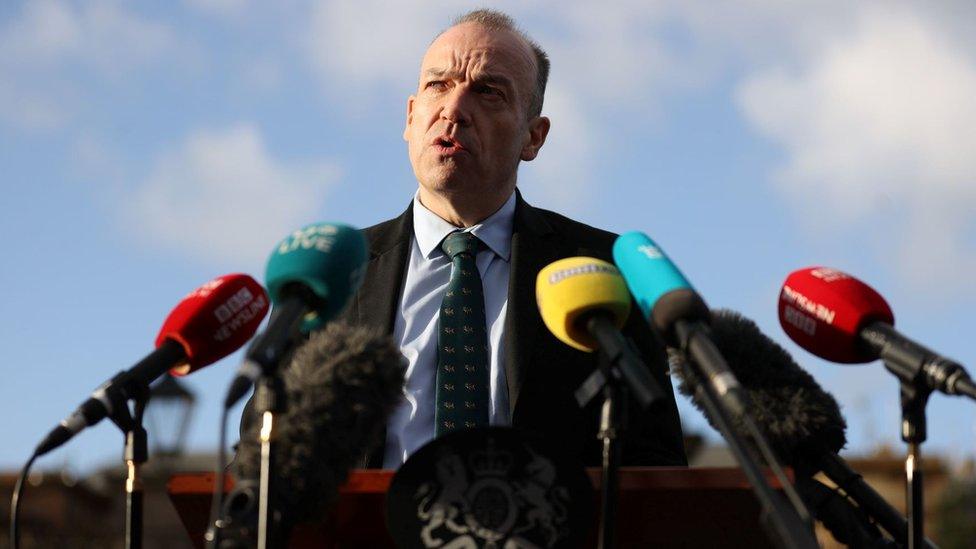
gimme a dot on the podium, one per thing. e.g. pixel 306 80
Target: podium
pixel 659 507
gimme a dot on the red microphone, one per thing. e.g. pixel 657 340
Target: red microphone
pixel 215 320
pixel 823 310
pixel 839 318
pixel 210 323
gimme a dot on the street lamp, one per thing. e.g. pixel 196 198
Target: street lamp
pixel 168 416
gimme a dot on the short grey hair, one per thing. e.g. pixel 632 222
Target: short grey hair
pixel 495 20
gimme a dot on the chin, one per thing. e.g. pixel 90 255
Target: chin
pixel 445 181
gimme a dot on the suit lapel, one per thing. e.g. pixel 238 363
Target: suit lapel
pixel 533 247
pixel 385 271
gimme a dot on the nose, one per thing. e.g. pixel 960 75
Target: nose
pixel 456 108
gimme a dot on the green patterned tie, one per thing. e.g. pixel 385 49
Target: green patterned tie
pixel 462 341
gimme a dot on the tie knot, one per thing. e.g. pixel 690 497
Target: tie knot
pixel 459 243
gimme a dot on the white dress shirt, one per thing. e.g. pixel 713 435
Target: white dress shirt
pixel 416 326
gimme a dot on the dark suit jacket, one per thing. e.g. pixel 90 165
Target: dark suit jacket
pixel 542 372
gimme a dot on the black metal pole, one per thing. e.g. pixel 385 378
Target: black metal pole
pixel 268 398
pixel 133 508
pixel 136 453
pixel 611 425
pixel 915 393
pixel 913 497
pixel 265 523
pixel 914 397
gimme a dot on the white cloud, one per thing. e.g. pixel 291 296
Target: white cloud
pixel 879 123
pixel 50 43
pixel 45 31
pixel 222 196
pixel 101 33
pixel 356 44
pixel 619 54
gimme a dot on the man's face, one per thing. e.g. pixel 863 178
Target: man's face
pixel 468 126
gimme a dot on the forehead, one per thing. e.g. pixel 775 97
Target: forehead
pixel 472 47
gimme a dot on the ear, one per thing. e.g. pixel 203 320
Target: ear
pixel 406 128
pixel 538 130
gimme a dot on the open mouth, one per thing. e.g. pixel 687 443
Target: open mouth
pixel 448 146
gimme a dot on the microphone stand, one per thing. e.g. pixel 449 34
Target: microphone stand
pixel 914 397
pixel 269 398
pixel 620 372
pixel 920 371
pixel 136 453
pixel 613 422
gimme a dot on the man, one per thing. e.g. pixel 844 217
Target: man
pixel 478 351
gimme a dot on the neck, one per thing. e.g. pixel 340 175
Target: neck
pixel 461 210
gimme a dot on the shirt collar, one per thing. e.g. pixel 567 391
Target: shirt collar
pixel 495 231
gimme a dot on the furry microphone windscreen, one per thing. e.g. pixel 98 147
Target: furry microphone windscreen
pixel 341 386
pixel 799 419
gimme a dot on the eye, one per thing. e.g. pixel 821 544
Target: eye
pixel 490 91
pixel 436 85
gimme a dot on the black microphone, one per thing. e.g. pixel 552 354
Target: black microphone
pixel 801 421
pixel 341 386
pixel 797 416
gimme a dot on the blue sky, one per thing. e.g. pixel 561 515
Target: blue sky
pixel 148 147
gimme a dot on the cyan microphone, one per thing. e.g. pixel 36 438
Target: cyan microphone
pixel 208 324
pixel 675 311
pixel 341 386
pixel 584 302
pixel 310 276
pixel 839 318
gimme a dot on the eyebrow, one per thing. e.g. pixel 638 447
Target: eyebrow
pixel 488 78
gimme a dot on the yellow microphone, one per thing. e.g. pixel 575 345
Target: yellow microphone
pixel 585 302
pixel 571 289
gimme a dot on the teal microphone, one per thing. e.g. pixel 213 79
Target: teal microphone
pixel 310 277
pixel 322 264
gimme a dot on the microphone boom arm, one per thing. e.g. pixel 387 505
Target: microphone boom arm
pixel 786 528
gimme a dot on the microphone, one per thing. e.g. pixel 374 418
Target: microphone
pixel 680 316
pixel 839 318
pixel 584 302
pixel 208 324
pixel 310 276
pixel 801 421
pixel 797 416
pixel 675 311
pixel 341 386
